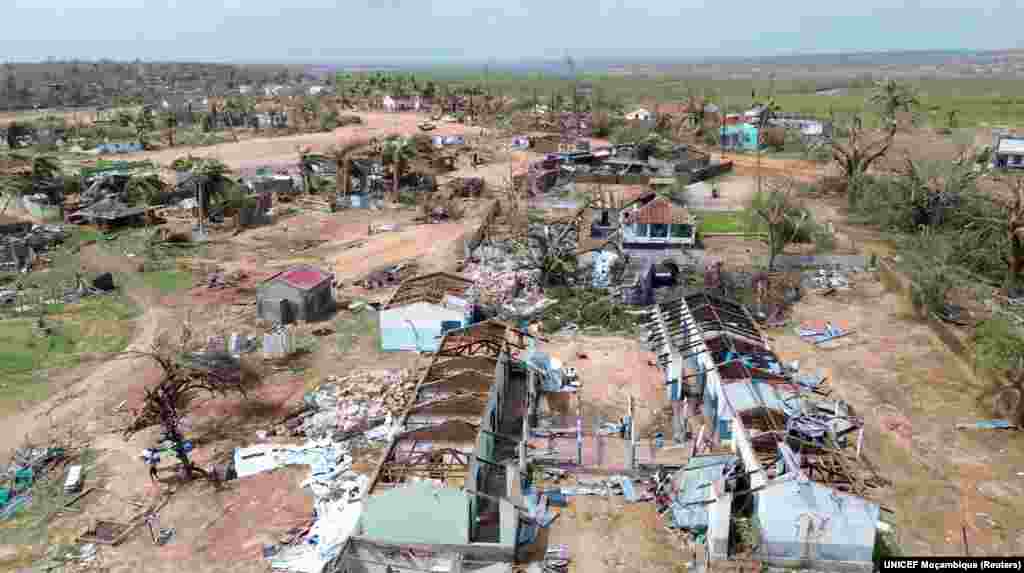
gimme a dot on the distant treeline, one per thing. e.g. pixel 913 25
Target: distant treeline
pixel 76 83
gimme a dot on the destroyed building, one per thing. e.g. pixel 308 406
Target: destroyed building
pixel 447 493
pixel 21 243
pixel 422 309
pixel 721 375
pixel 302 292
pixel 108 213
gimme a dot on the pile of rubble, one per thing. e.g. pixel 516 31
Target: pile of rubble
pixel 344 406
pixel 20 244
pixel 467 187
pixel 823 279
pixel 500 284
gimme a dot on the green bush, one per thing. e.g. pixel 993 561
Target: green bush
pixel 998 345
pixel 586 307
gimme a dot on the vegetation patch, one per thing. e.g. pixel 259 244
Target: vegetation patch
pixel 167 281
pixel 722 222
pixel 349 328
pixel 95 326
pixel 589 309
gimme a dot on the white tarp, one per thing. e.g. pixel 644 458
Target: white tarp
pixel 1011 145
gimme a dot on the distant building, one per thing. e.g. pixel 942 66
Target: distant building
pixel 395 103
pixel 1008 152
pixel 302 292
pixel 739 136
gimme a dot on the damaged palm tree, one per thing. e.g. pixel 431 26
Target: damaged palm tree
pixel 551 249
pixel 398 151
pixel 186 375
pixel 933 195
pixel 859 151
pixel 342 156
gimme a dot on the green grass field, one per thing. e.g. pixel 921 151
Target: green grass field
pixel 97 325
pixel 721 222
pixel 979 103
pixel 167 281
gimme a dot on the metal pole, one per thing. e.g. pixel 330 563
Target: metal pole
pixel 579 430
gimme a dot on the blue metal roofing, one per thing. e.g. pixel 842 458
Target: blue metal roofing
pixel 690 506
pixel 810 521
pixel 745 396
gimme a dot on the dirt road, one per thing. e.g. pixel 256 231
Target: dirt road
pixel 431 246
pixel 280 151
pixel 798 169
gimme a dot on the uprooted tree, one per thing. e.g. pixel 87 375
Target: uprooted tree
pixel 186 375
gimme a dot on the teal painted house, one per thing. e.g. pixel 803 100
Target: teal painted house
pixel 741 137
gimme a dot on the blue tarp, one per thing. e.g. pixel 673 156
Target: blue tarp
pixel 119 147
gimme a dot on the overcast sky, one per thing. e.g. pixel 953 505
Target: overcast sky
pixel 378 30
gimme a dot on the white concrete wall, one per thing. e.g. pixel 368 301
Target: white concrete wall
pixel 398 326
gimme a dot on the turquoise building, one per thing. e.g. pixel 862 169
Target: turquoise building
pixel 740 137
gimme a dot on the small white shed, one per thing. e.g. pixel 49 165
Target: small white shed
pixel 422 309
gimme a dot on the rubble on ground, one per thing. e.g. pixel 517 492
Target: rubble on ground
pixel 345 406
pixel 21 244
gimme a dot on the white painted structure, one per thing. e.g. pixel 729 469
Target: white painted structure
pixel 413 103
pixel 418 326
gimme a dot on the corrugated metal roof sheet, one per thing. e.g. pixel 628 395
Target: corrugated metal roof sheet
pixel 754 395
pixel 689 508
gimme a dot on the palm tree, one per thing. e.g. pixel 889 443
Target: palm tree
pixel 341 158
pixel 170 120
pixel 767 113
pixel 398 151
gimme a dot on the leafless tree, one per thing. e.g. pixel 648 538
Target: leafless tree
pixel 185 376
pixel 860 150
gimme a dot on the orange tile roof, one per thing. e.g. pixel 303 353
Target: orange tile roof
pixel 662 211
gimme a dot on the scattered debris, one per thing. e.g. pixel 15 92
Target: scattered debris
pixel 107 532
pixel 988 425
pixel 376 228
pixel 818 336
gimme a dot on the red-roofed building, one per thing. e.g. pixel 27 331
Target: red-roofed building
pixel 657 220
pixel 302 292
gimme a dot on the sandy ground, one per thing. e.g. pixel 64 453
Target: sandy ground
pixel 283 151
pixel 912 392
pixel 608 534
